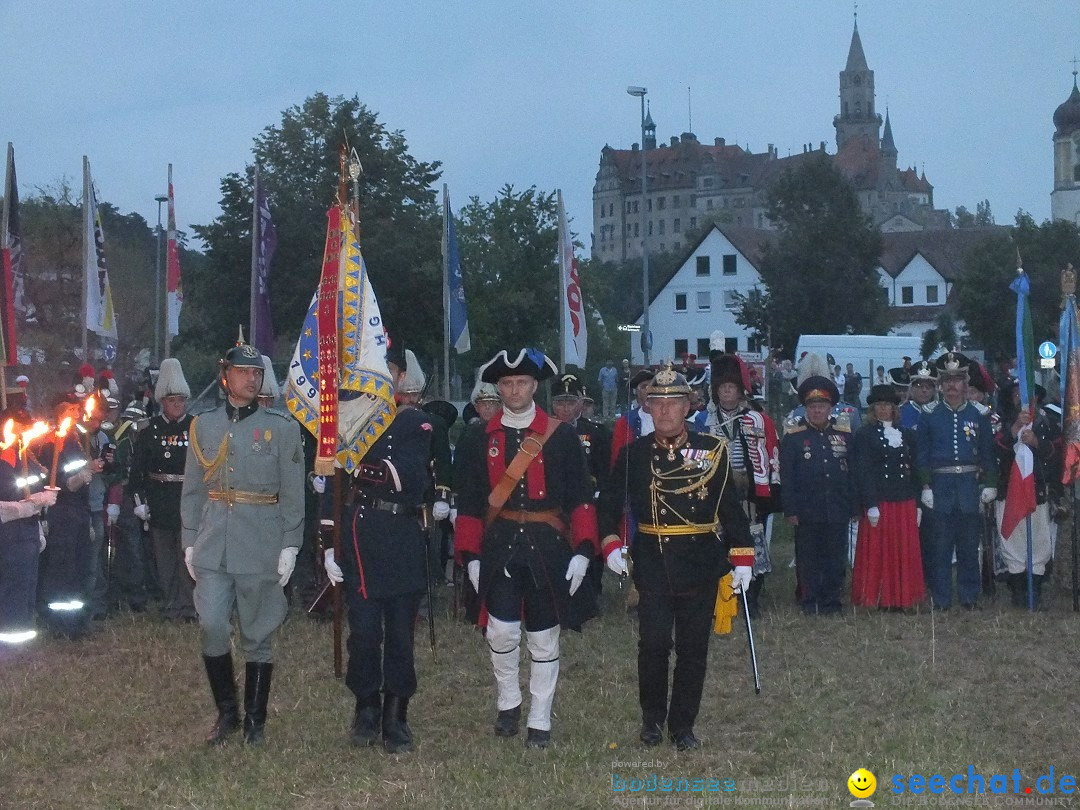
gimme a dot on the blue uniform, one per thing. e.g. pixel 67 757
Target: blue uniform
pixel 955 454
pixel 815 466
pixel 910 413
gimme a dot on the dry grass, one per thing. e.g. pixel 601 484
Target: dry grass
pixel 116 720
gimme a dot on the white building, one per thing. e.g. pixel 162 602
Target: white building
pixel 918 270
pixel 1065 198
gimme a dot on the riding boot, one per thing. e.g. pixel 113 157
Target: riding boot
pixel 256 695
pixel 219 671
pixel 365 725
pixel 396 734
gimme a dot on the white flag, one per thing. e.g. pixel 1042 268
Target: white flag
pixel 100 317
pixel 574 331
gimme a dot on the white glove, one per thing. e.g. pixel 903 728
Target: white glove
pixel 616 563
pixel 333 570
pixel 41 537
pixel 318 483
pixel 474 574
pixel 927 498
pixel 453 518
pixel 989 495
pixel 440 510
pixel 113 511
pixel 740 578
pixel 189 552
pixel 286 562
pixel 918 517
pixel 142 512
pixel 44 499
pixel 873 515
pixel 575 571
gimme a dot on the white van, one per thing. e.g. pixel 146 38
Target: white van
pixel 864 352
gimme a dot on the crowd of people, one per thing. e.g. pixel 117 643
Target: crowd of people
pixel 209 516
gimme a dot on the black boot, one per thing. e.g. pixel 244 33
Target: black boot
pixel 1018 589
pixel 365 724
pixel 652 731
pixel 219 671
pixel 256 695
pixel 508 721
pixel 1037 581
pixel 396 734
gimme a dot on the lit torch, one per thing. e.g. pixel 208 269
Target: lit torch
pixel 88 413
pixel 58 445
pixel 31 434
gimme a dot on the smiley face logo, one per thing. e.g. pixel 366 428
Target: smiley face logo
pixel 862 784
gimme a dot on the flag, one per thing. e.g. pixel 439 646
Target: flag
pixel 458 316
pixel 351 376
pixel 263 245
pixel 100 317
pixel 174 298
pixel 574 332
pixel 1069 349
pixel 12 262
pixel 1020 496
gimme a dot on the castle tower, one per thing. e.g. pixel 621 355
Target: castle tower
pixel 1065 198
pixel 888 148
pixel 857 116
pixel 650 131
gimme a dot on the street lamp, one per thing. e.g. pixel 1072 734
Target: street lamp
pixel 161 198
pixel 646 335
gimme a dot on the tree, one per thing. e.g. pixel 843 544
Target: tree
pixel 299 167
pixel 944 333
pixel 982 295
pixel 963 218
pixel 820 276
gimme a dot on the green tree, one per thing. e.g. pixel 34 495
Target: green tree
pixel 963 218
pixel 299 167
pixel 820 276
pixel 982 292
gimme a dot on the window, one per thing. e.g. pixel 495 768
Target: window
pixel 660 202
pixel 693 200
pixel 703 265
pixel 682 347
pixel 650 227
pixel 675 201
pixel 729 264
pixel 707 182
pixel 603 211
pixel 629 206
pixel 730 300
pixel 704 301
pixel 753 345
pixel 663 222
pixel 907 295
pixel 676 225
pixel 628 227
pixel 650 205
pixel 693 223
pixel 702 347
pixel 611 210
pixel 731 345
pixel 637 229
pixel 636 208
pixel 709 203
pixel 931 294
pixel 680 302
pixel 677 246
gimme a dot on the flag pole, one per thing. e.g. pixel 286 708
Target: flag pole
pixel 6 248
pixel 87 228
pixel 446 292
pixel 561 287
pixel 252 331
pixel 167 348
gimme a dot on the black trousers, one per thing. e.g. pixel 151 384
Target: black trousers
pixel 381 644
pixel 520 597
pixel 690 616
pixel 820 554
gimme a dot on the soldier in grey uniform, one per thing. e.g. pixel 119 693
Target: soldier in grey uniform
pixel 242 510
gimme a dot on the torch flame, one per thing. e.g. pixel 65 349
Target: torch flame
pixel 63 428
pixel 35 431
pixel 89 409
pixel 9 434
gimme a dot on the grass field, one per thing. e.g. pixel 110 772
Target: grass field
pixel 116 720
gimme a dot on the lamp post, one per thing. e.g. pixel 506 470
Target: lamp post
pixel 161 198
pixel 646 335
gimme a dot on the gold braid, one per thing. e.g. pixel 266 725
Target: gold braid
pixel 210 466
pixel 672 483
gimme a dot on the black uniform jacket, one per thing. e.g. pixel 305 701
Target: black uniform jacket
pixel 693 488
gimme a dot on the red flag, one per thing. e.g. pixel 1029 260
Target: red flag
pixel 1020 497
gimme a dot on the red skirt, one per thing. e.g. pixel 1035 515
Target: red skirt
pixel 888 563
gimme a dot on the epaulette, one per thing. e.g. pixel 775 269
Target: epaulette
pixel 842 427
pixel 793 427
pixel 279 413
pixel 719 442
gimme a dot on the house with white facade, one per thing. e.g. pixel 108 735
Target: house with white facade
pixel 917 269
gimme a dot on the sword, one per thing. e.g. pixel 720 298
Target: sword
pixel 425 522
pixel 750 639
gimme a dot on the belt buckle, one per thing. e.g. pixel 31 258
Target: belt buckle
pixel 535 441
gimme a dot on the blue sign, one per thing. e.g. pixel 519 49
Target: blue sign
pixel 110 353
pixel 1048 350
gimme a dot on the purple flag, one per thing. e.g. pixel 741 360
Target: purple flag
pixel 265 236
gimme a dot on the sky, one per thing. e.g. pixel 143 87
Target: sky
pixel 527 93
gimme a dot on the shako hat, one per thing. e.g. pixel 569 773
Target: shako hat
pixel 900 377
pixel 170 380
pixel 923 371
pixel 952 364
pixel 568 386
pixel 529 362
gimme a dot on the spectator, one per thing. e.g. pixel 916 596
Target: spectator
pixel 609 387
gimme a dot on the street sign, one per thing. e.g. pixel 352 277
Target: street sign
pixel 1048 350
pixel 1046 362
pixel 629 327
pixel 110 353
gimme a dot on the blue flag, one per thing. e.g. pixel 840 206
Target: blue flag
pixel 459 318
pixel 1025 343
pixel 263 246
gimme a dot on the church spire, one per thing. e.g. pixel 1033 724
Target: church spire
pixel 856 59
pixel 887 144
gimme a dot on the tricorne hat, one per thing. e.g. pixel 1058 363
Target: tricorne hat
pixel 529 362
